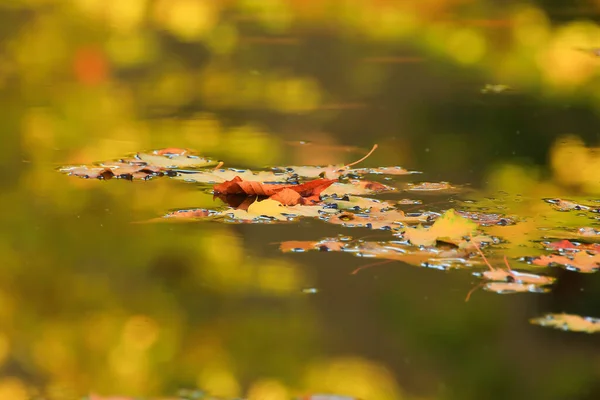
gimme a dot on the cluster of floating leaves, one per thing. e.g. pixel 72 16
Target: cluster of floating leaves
pixel 337 194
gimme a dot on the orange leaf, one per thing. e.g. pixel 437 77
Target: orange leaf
pixel 580 262
pixel 287 197
pixel 237 185
pixel 566 245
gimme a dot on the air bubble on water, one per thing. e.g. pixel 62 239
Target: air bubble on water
pixel 310 290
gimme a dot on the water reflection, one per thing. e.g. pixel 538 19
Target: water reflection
pixel 90 302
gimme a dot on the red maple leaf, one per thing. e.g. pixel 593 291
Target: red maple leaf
pixel 287 194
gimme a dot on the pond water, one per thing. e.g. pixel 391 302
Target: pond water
pixel 500 101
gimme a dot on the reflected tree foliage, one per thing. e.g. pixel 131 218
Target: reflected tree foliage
pixel 90 301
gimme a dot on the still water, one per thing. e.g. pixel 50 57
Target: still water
pixel 502 102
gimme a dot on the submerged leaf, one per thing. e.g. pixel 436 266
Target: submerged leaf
pixel 514 287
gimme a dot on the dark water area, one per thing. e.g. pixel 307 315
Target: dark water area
pixel 501 102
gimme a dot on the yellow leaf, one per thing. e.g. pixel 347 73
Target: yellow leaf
pixel 448 226
pixel 268 207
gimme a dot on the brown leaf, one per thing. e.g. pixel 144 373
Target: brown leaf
pixel 309 190
pixel 567 245
pixel 287 197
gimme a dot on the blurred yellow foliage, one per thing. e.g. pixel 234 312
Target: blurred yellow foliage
pixel 87 300
pixel 13 389
pixel 187 19
pixel 216 378
pixel 353 376
pixel 268 389
pixel 575 165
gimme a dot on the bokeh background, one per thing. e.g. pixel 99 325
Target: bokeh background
pixel 503 96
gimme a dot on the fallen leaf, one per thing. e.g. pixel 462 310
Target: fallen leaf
pixel 568 205
pixel 567 245
pixel 381 171
pixel 114 170
pixel 140 166
pixel 222 175
pixel 514 287
pixel 579 262
pixel 588 232
pixel 429 257
pixel 508 274
pixel 307 192
pixel 357 203
pixel 174 158
pixel 288 197
pixel 486 219
pixel 449 227
pixel 271 211
pixel 430 187
pixel 322 245
pixel 357 187
pixel 268 208
pixel 394 219
pixel 193 213
pixel 409 202
pixel 568 322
